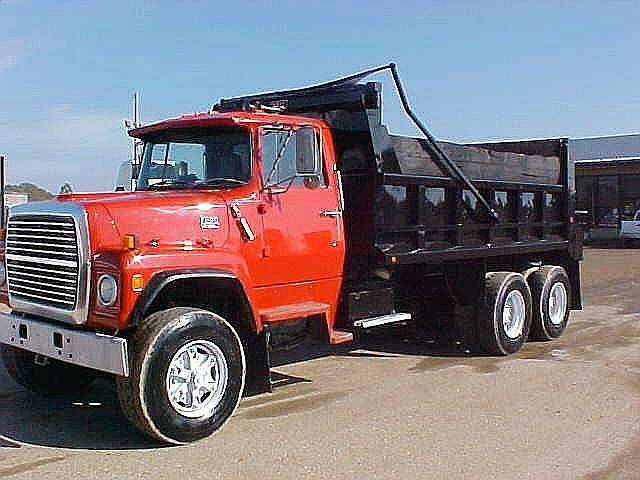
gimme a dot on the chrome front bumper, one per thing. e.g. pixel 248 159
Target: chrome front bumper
pixel 85 349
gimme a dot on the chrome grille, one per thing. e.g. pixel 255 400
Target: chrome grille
pixel 43 260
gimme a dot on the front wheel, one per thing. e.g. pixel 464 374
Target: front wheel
pixel 187 375
pixel 42 375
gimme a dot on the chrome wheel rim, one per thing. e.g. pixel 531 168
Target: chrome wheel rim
pixel 557 304
pixel 196 379
pixel 513 314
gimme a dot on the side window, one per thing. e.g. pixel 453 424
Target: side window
pixel 157 164
pixel 288 154
pixel 158 153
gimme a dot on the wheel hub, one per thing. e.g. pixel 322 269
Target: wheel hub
pixel 557 305
pixel 196 379
pixel 513 314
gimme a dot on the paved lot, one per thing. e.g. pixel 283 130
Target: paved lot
pixel 566 409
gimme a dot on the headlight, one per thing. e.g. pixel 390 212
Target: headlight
pixel 107 290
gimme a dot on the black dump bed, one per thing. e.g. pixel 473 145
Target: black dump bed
pixel 410 200
pixel 423 215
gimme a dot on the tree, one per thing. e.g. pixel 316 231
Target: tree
pixel 65 188
pixel 34 192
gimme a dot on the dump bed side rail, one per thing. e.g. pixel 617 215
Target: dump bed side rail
pixel 431 219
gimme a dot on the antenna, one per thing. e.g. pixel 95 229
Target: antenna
pixel 136 124
pixel 136 108
pixel 136 155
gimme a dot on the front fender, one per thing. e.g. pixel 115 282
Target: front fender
pixel 162 280
pixel 160 268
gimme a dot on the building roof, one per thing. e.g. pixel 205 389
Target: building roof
pixel 613 148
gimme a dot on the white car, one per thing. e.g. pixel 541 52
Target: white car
pixel 630 229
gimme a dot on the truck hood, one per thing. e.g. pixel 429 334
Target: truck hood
pixel 160 220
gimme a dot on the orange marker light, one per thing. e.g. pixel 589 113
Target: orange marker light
pixel 129 242
pixel 137 283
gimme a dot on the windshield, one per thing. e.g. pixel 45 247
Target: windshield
pixel 182 158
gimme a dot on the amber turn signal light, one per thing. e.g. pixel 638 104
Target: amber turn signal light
pixel 137 283
pixel 129 242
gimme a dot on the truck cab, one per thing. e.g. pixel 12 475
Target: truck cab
pixel 264 199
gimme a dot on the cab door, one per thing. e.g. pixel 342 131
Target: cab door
pixel 301 211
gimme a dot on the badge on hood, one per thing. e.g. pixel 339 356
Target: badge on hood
pixel 208 222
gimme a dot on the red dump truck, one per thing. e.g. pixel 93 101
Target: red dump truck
pixel 287 211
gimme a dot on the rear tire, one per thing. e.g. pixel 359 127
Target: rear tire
pixel 187 372
pixel 51 379
pixel 551 292
pixel 503 323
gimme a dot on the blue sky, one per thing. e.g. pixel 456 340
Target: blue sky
pixel 474 70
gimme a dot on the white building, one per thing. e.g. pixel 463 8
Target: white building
pixel 12 199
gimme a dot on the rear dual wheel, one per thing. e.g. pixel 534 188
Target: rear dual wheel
pixel 551 292
pixel 504 321
pixel 517 308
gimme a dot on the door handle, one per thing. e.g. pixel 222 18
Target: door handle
pixel 337 214
pixel 331 213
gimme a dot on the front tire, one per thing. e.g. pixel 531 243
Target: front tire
pixel 187 375
pixel 504 321
pixel 551 292
pixel 47 378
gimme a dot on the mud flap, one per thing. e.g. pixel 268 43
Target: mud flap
pixel 258 379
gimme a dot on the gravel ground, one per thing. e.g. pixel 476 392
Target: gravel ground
pixel 389 409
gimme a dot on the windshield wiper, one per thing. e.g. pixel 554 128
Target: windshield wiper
pixel 220 180
pixel 167 182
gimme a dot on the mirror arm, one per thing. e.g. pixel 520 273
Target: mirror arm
pixel 276 188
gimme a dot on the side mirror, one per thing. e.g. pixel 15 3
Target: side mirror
pixel 124 176
pixel 306 152
pixel 135 171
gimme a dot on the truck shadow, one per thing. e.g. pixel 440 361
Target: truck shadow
pixel 389 341
pixel 92 420
pixel 435 347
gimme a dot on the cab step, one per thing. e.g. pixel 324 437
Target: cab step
pixel 296 310
pixel 340 336
pixel 365 323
